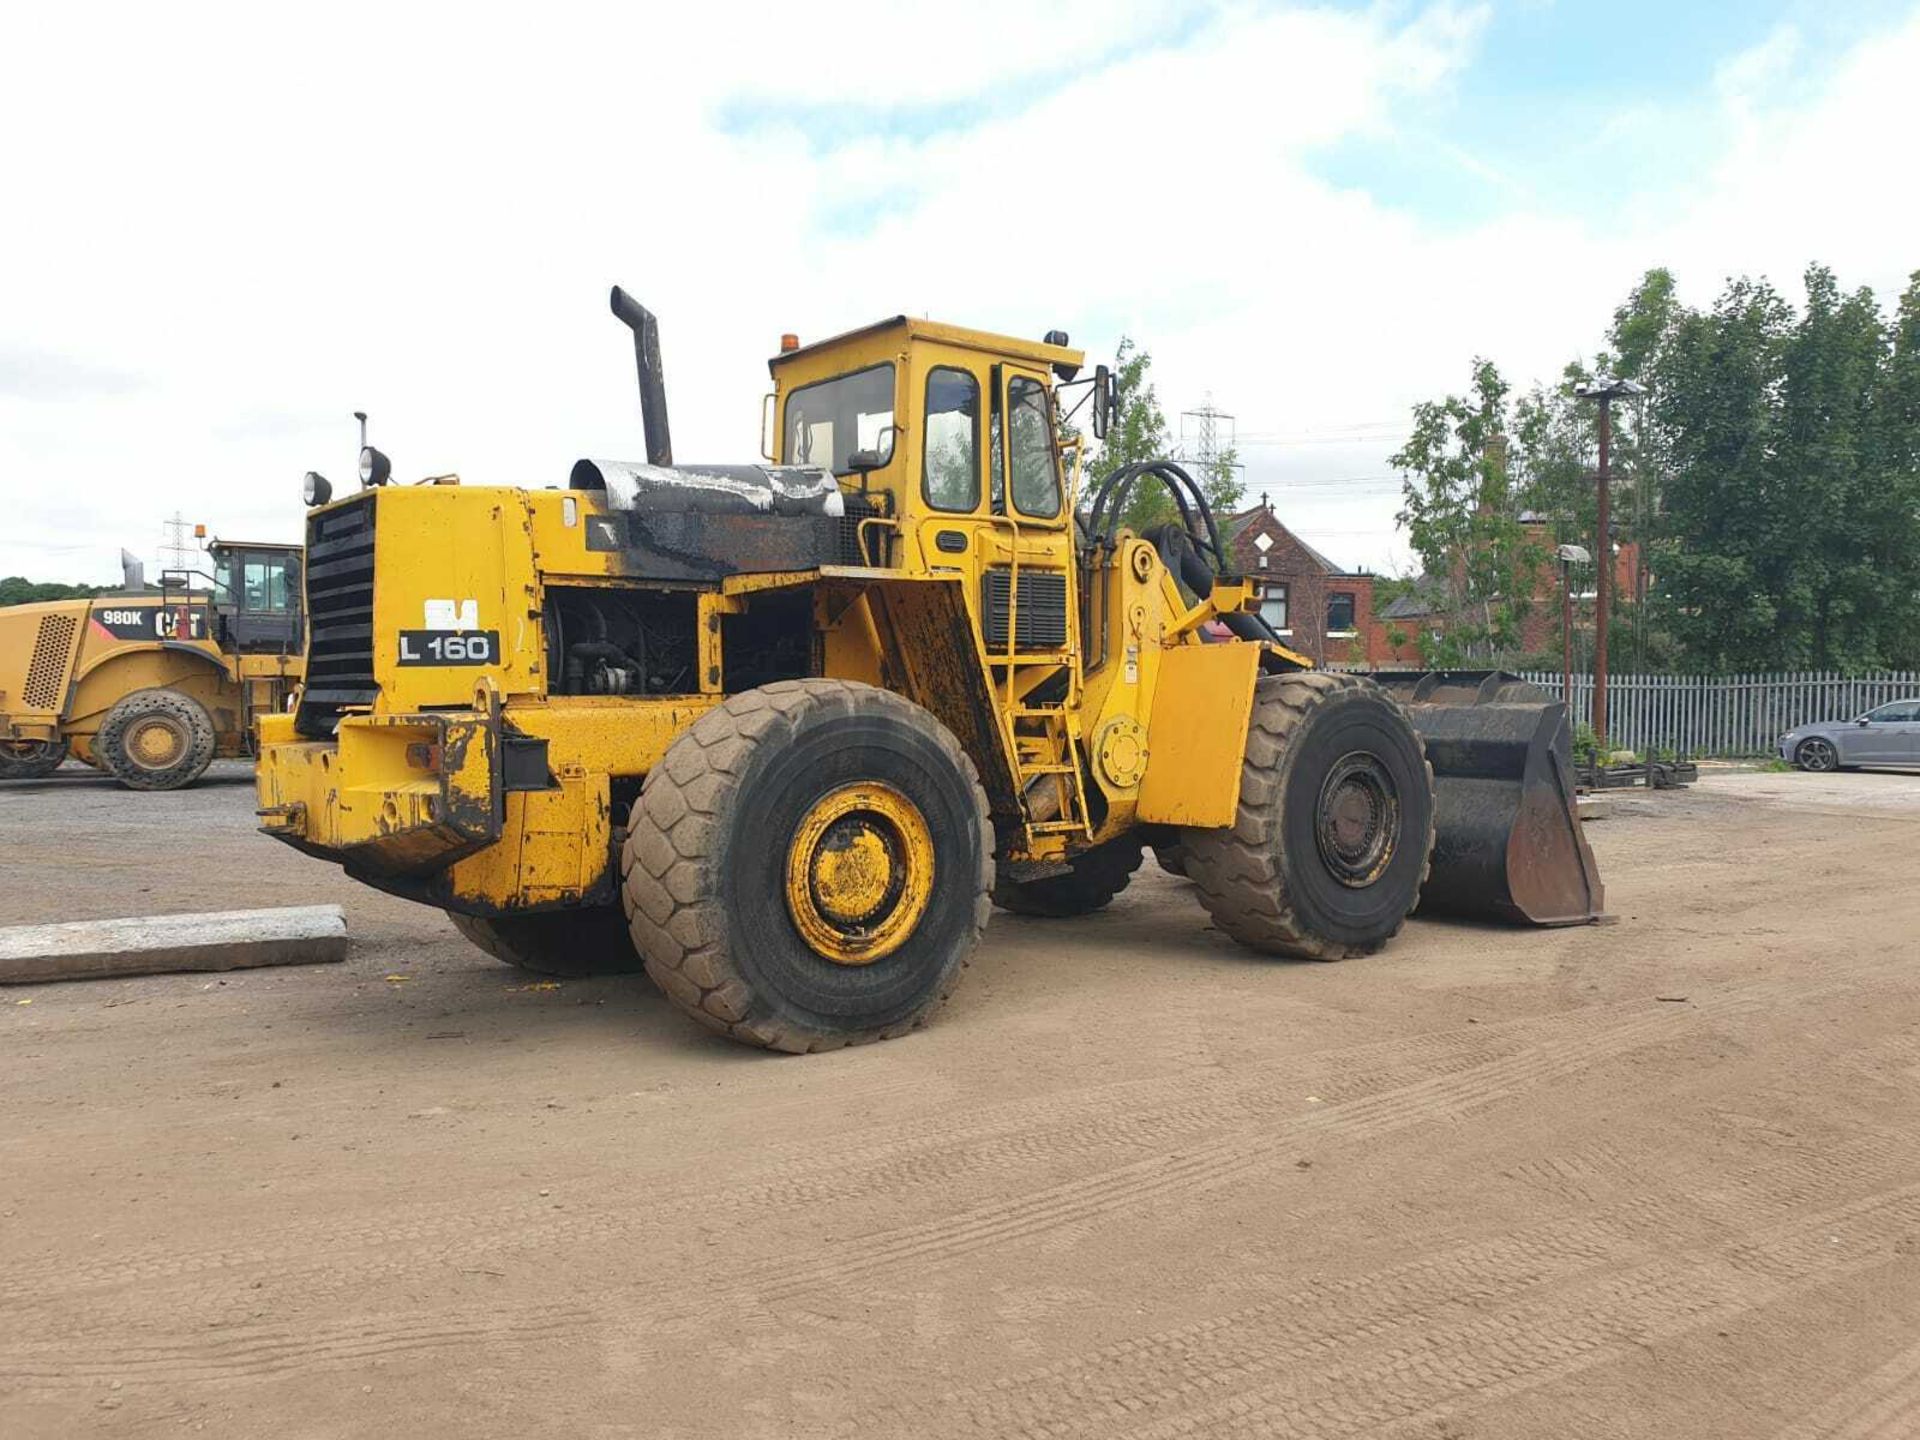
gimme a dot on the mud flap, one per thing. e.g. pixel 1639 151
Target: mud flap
pixel 1508 843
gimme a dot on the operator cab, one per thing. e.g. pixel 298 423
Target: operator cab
pixel 256 596
pixel 917 412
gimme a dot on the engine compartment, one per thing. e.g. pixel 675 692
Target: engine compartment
pixel 604 640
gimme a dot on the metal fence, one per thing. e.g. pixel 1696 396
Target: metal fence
pixel 1707 715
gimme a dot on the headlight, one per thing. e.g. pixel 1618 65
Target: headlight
pixel 314 489
pixel 374 467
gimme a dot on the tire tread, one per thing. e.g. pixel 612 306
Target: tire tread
pixel 672 911
pixel 108 743
pixel 1237 870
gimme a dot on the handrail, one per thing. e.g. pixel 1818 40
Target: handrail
pixel 860 537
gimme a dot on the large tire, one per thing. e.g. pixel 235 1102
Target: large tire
pixel 777 880
pixel 1171 855
pixel 1093 878
pixel 1335 822
pixel 156 740
pixel 569 944
pixel 30 759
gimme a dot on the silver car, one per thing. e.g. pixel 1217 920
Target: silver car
pixel 1889 735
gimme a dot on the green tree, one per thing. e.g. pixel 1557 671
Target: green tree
pixel 1839 595
pixel 1139 432
pixel 1791 531
pixel 1897 420
pixel 1461 507
pixel 1721 559
pixel 18 590
pixel 1772 472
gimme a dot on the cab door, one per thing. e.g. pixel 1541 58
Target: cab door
pixel 1028 582
pixel 259 599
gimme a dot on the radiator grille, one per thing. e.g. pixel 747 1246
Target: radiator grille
pixel 1042 622
pixel 854 548
pixel 339 617
pixel 48 667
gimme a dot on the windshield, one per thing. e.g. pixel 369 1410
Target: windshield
pixel 264 582
pixel 829 420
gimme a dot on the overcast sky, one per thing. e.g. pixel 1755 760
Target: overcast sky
pixel 226 229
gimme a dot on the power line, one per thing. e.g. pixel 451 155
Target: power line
pixel 1339 482
pixel 1298 443
pixel 1205 450
pixel 176 554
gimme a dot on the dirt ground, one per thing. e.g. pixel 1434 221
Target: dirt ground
pixel 1656 1178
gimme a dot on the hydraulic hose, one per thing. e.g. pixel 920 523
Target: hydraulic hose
pixel 1112 494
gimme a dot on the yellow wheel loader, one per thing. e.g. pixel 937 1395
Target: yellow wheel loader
pixel 783 734
pixel 149 686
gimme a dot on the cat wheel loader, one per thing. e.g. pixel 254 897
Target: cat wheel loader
pixel 783 734
pixel 150 685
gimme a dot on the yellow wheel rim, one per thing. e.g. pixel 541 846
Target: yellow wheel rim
pixel 155 744
pixel 859 873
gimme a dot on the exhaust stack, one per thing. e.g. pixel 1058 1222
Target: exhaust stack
pixel 653 388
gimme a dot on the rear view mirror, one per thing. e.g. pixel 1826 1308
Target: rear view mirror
pixel 878 455
pixel 1105 401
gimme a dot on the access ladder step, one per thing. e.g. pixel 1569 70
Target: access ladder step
pixel 1058 827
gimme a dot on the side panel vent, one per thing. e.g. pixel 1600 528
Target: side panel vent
pixel 1042 622
pixel 47 671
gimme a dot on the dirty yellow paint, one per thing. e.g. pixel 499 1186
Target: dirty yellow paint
pixel 1197 737
pixel 1085 686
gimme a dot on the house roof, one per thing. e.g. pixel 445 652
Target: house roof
pixel 1425 598
pixel 1237 525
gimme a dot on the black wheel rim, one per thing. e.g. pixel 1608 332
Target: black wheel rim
pixel 1357 820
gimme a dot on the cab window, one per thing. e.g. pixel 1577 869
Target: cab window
pixel 1035 478
pixel 264 583
pixel 950 467
pixel 223 579
pixel 830 419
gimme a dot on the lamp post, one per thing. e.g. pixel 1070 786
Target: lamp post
pixel 1606 392
pixel 1569 556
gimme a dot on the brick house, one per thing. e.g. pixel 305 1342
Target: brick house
pixel 1319 609
pixel 1424 610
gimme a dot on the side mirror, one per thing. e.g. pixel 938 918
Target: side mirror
pixel 1864 720
pixel 881 453
pixel 1105 401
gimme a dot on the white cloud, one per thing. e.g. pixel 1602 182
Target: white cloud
pixel 261 222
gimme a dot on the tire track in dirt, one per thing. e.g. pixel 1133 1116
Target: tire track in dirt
pixel 266 1352
pixel 1133 1380
pixel 1216 1361
pixel 1586 1325
pixel 932 1158
pixel 1214 1163
pixel 1044 1131
pixel 1077 1202
pixel 1884 1405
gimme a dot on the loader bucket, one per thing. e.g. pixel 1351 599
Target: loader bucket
pixel 1507 841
